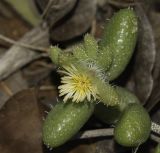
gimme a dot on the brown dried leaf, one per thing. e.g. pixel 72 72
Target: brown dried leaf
pixel 145 58
pixel 53 10
pixel 78 21
pixel 11 86
pixel 109 146
pixel 155 96
pixel 85 146
pixel 105 146
pixel 20 125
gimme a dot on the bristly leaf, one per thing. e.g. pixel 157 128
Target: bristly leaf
pixel 91 46
pixel 105 58
pixel 61 58
pixel 107 94
pixel 66 59
pixel 79 53
pixel 54 54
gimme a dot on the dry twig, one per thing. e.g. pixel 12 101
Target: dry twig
pixel 95 133
pixel 21 44
pixel 109 132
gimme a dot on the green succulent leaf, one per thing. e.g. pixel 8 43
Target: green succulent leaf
pixel 67 59
pixel 91 46
pixel 120 35
pixel 54 54
pixel 133 127
pixel 107 93
pixel 105 58
pixel 64 121
pixel 80 53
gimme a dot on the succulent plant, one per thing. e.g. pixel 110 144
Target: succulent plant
pixel 86 75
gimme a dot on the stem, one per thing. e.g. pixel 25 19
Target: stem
pixel 11 41
pixel 95 133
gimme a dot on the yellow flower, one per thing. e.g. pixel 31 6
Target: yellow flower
pixel 76 85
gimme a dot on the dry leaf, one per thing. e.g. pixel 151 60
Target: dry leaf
pixel 20 125
pixel 142 79
pixel 11 86
pixel 109 146
pixel 76 23
pixel 54 10
pixel 155 96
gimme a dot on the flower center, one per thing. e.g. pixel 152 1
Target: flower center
pixel 81 83
pixel 76 86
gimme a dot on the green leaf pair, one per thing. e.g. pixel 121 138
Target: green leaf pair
pixel 132 122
